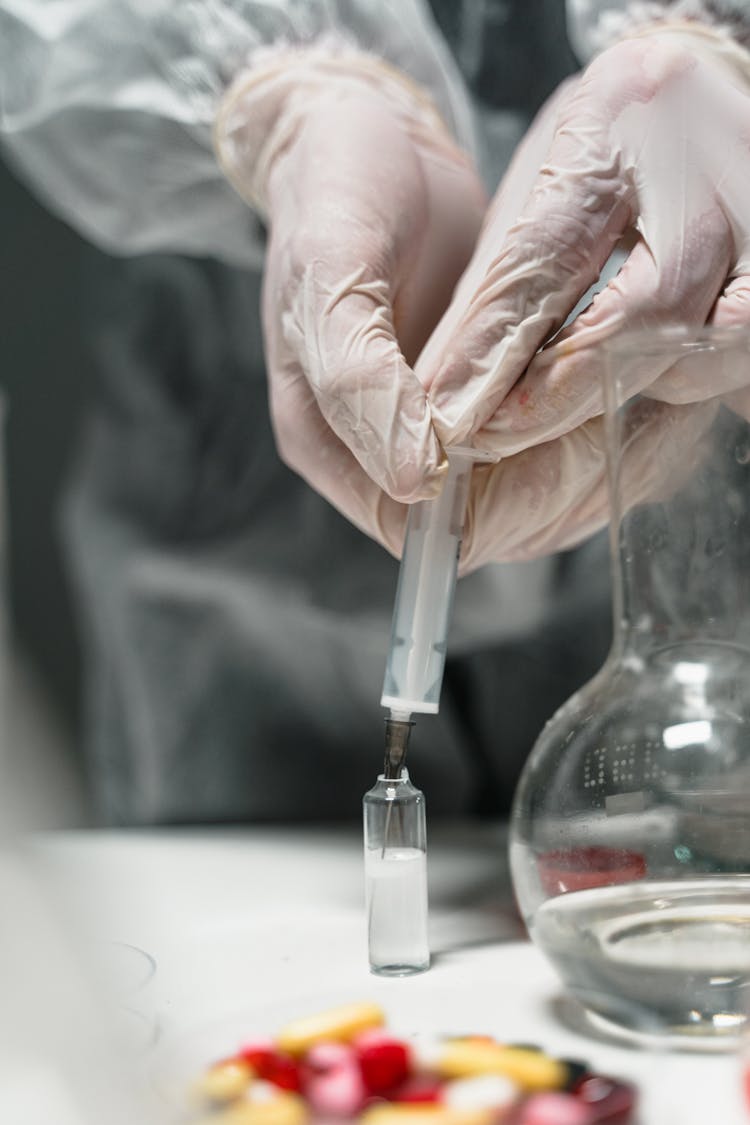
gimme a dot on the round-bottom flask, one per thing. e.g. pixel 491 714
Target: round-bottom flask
pixel 396 877
pixel 630 832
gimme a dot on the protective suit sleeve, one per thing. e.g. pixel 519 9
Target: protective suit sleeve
pixel 594 25
pixel 107 106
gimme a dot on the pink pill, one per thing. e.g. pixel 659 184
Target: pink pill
pixel 554 1109
pixel 340 1092
pixel 329 1056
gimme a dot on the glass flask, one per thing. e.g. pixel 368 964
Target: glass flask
pixel 395 838
pixel 630 830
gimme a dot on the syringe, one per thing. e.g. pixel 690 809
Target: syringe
pixel 422 612
pixel 395 846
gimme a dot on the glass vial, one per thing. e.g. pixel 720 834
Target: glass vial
pixel 395 838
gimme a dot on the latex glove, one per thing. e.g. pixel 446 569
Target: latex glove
pixel 653 140
pixel 373 214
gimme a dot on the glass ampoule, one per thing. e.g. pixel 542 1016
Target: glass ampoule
pixel 395 840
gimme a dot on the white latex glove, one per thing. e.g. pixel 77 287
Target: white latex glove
pixel 654 139
pixel 373 214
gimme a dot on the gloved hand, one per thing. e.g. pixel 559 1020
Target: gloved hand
pixel 373 214
pixel 653 139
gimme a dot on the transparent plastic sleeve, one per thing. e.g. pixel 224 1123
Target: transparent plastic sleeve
pixel 107 108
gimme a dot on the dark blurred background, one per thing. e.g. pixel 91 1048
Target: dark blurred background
pixel 47 376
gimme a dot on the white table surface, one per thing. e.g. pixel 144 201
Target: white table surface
pixel 244 929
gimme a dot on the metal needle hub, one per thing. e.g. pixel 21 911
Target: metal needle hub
pixel 397 733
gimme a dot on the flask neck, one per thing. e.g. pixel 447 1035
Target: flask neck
pixel 681 560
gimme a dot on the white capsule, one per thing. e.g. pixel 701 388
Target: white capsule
pixel 262 1091
pixel 485 1091
pixel 427 1050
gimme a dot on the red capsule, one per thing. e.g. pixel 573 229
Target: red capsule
pixel 256 1052
pixel 384 1061
pixel 272 1065
pixel 612 1102
pixel 284 1073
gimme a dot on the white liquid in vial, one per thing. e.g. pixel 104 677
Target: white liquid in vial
pixel 396 890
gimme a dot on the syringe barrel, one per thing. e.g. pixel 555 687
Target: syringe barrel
pixel 424 597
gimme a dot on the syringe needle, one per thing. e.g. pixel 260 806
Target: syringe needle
pixel 397 733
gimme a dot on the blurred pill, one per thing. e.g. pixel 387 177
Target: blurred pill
pixel 418 1089
pixel 611 1102
pixel 334 1086
pixel 224 1081
pixel 487 1091
pixel 554 1108
pixel 339 1024
pixel 384 1060
pixel 396 1113
pixel 531 1070
pixel 271 1064
pixel 280 1109
pixel 577 1069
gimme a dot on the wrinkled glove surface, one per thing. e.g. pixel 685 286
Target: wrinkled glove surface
pixel 373 213
pixel 651 143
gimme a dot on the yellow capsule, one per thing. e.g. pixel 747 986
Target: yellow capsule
pixel 531 1070
pixel 411 1113
pixel 338 1024
pixel 224 1082
pixel 286 1109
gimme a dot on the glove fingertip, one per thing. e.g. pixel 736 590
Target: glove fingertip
pixel 411 483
